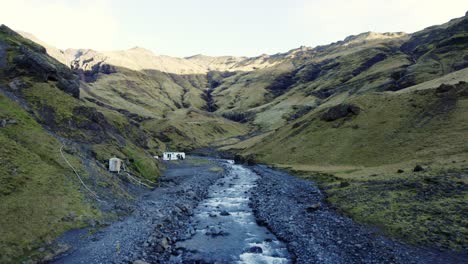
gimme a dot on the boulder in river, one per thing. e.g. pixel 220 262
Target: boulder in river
pixel 216 231
pixel 212 214
pixel 255 249
pixel 224 213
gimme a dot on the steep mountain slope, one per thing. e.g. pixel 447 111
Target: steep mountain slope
pixel 304 72
pixel 42 123
pixel 364 153
pixel 51 50
pixel 359 64
pixel 366 78
pixel 134 59
pixel 365 119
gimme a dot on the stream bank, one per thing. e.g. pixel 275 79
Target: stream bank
pixel 213 211
pixel 158 218
pixel 296 212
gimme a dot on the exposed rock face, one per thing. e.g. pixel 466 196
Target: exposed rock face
pixel 372 36
pixel 31 59
pixel 51 50
pixel 459 89
pixel 91 74
pixel 39 65
pixel 340 111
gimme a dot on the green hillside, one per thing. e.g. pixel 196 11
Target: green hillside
pixel 364 63
pixel 45 106
pixel 356 116
pixel 40 196
pixel 362 121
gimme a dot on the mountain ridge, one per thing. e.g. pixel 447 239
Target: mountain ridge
pixel 200 63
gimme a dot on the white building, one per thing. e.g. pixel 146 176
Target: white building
pixel 115 164
pixel 173 155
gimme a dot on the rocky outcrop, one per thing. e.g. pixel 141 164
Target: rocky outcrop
pixel 40 66
pixel 340 111
pixel 90 74
pixel 457 90
pixel 31 59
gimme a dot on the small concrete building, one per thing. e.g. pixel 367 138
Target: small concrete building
pixel 115 164
pixel 173 155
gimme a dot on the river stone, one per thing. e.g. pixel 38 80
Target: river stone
pixel 216 231
pixel 225 213
pixel 313 207
pixel 256 250
pixel 213 215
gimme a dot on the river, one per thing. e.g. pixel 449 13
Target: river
pixel 225 226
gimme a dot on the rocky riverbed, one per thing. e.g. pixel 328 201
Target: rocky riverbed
pixel 158 219
pixel 225 229
pixel 214 211
pixel 295 211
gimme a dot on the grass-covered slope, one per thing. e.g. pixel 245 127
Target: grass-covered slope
pixel 147 93
pixel 361 151
pixel 189 129
pixel 40 111
pixel 37 189
pixel 389 128
pixel 169 107
pixel 360 64
pixel 360 122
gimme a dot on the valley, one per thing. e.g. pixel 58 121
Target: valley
pixel 364 143
pixel 202 214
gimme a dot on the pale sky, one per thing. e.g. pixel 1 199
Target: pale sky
pixel 217 27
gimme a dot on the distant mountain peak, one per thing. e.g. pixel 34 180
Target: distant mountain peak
pixel 140 50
